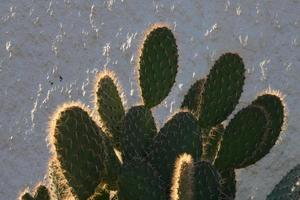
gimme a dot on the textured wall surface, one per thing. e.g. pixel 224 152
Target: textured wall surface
pixel 50 51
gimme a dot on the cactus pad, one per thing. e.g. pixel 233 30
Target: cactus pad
pixel 207 182
pixel 192 99
pixel 288 188
pixel 181 134
pixel 40 193
pixel 273 106
pixel 84 153
pixel 241 138
pixel 109 104
pixel 138 181
pixel 158 65
pixel 222 89
pixel 139 131
pixel 183 178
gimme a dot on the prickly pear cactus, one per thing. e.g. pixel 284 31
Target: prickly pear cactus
pixel 192 157
pixel 288 188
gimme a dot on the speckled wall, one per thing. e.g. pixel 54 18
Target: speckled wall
pixel 51 50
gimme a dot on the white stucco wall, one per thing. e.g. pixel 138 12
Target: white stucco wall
pixel 51 50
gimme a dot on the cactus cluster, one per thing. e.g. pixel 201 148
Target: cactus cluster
pixel 114 153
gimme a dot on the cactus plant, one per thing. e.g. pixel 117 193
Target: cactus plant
pixel 121 150
pixel 289 187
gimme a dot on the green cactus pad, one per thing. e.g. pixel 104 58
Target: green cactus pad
pixel 138 181
pixel 207 182
pixel 158 65
pixel 228 184
pixel 110 107
pixel 181 134
pixel 211 143
pixel 183 178
pixel 41 193
pixel 139 131
pixel 274 108
pixel 84 152
pixel 288 188
pixel 57 183
pixel 241 138
pixel 222 90
pixel 26 196
pixel 192 99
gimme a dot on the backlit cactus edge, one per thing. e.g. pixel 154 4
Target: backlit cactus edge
pixel 112 153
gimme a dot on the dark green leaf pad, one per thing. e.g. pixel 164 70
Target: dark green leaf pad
pixel 211 143
pixel 138 181
pixel 207 182
pixel 83 151
pixel 181 134
pixel 139 131
pixel 274 108
pixel 241 138
pixel 228 184
pixel 192 99
pixel 222 89
pixel 288 188
pixel 183 178
pixel 109 105
pixel 158 65
pixel 58 186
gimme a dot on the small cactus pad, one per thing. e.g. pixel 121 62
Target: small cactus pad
pixel 228 184
pixel 138 181
pixel 222 89
pixel 207 182
pixel 26 196
pixel 139 131
pixel 288 188
pixel 40 193
pixel 192 99
pixel 158 65
pixel 183 178
pixel 84 153
pixel 274 108
pixel 181 134
pixel 110 106
pixel 211 143
pixel 241 138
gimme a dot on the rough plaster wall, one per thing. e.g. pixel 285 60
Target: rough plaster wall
pixel 50 52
